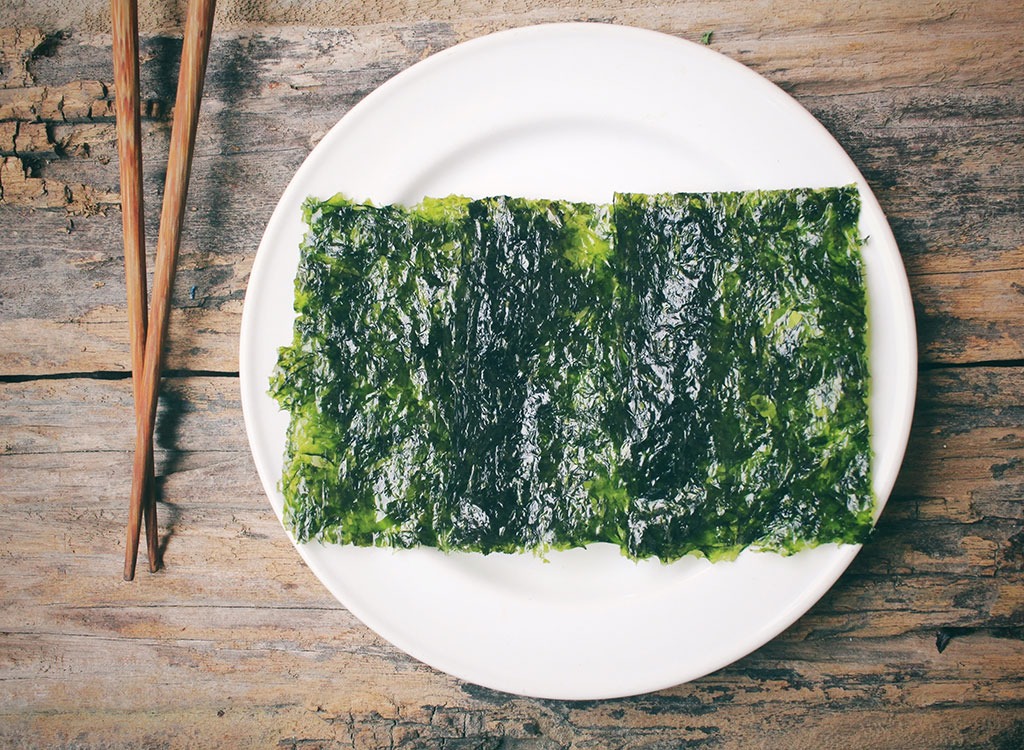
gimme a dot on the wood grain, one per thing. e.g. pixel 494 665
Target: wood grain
pixel 265 643
pixel 945 159
pixel 250 650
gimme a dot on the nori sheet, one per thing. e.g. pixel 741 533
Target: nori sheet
pixel 674 374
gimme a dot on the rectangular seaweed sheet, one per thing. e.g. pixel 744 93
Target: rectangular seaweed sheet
pixel 674 374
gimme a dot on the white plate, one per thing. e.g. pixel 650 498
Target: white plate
pixel 574 111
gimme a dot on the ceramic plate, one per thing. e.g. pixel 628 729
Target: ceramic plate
pixel 574 111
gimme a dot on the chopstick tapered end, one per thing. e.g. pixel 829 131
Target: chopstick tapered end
pixel 135 507
pixel 154 562
pixel 149 519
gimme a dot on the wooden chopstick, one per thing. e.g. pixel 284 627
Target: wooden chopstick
pixel 194 52
pixel 124 18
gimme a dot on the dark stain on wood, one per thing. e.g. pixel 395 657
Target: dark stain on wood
pixel 999 470
pixel 1011 555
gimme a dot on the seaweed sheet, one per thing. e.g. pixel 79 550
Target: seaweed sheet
pixel 673 374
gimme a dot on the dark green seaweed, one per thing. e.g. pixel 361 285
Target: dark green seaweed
pixel 673 374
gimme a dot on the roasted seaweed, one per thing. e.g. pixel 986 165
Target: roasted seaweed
pixel 673 374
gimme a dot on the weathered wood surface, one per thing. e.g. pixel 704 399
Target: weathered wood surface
pixel 235 643
pixel 931 114
pixel 237 624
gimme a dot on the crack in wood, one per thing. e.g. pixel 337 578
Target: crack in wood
pixel 951 367
pixel 971 365
pixel 113 375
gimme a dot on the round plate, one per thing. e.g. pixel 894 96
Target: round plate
pixel 574 111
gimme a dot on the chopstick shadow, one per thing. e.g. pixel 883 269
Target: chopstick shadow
pixel 158 80
pixel 161 58
pixel 168 459
pixel 219 188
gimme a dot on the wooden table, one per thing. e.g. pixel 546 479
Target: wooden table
pixel 235 643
